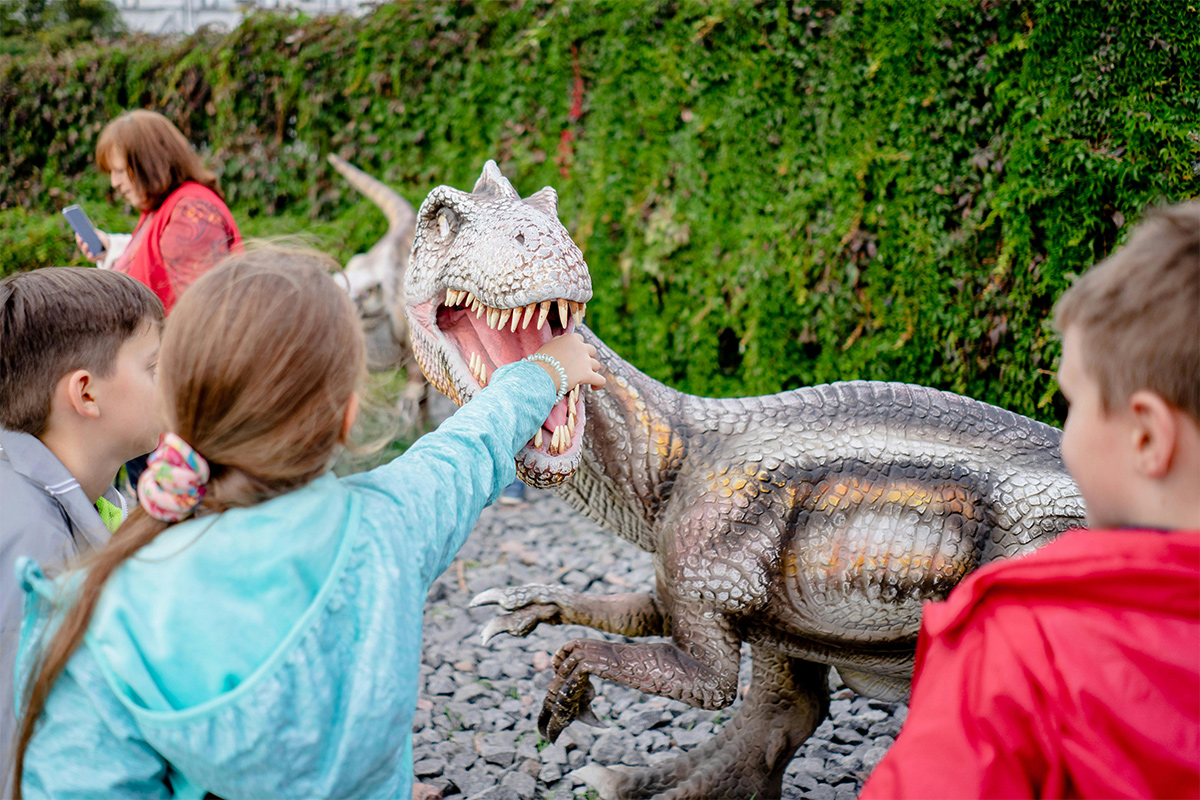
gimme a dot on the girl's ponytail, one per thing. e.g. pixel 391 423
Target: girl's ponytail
pixel 135 533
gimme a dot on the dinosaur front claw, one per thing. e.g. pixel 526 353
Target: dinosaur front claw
pixel 566 701
pixel 521 622
pixel 530 606
pixel 514 597
pixel 494 626
pixel 589 718
pixel 489 597
pixel 570 694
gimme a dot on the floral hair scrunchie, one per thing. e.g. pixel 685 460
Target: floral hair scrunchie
pixel 173 483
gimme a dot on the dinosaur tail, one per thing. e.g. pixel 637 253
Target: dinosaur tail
pixel 399 212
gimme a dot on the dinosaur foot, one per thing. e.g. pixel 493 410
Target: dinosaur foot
pixel 605 780
pixel 721 767
pixel 748 756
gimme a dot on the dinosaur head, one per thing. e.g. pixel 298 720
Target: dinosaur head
pixel 492 278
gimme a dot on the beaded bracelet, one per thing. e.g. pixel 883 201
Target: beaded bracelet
pixel 557 365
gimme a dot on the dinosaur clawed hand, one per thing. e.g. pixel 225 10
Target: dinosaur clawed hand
pixel 570 695
pixel 531 605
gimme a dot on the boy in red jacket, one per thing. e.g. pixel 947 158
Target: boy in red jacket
pixel 1075 671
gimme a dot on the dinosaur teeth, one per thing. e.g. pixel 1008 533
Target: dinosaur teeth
pixel 493 315
pixel 479 369
pixel 577 310
pixel 570 426
pixel 479 307
pixel 537 438
pixel 545 305
pixel 516 320
pixel 562 312
pixel 529 309
pixel 502 319
pixel 467 300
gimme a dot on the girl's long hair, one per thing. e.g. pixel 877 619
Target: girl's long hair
pixel 256 370
pixel 158 156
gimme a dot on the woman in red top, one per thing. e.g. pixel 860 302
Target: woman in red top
pixel 185 227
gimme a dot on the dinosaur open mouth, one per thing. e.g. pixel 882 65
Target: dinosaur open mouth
pixel 487 338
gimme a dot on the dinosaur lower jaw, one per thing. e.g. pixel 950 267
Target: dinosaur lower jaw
pixel 476 340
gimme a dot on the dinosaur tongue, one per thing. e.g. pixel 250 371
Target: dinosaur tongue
pixel 474 338
pixel 558 416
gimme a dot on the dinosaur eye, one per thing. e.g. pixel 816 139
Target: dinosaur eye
pixel 447 222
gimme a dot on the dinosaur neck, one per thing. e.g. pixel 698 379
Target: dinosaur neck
pixel 632 447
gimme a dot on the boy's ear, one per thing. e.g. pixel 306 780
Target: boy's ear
pixel 1155 433
pixel 76 390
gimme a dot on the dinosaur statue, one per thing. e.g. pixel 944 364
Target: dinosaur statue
pixel 375 282
pixel 811 524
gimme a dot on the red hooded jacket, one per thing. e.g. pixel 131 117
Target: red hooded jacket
pixel 1070 672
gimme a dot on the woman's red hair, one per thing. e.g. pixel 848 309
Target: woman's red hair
pixel 158 157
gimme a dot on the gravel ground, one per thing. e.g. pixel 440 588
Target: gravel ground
pixel 475 733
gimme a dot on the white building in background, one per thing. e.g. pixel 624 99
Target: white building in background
pixel 185 16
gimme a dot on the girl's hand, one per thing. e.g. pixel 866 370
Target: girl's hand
pixel 88 254
pixel 578 359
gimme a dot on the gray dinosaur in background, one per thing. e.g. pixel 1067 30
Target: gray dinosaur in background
pixel 375 282
pixel 812 524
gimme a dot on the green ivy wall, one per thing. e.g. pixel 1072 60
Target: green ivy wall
pixel 768 194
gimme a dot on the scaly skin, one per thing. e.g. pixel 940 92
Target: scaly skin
pixel 811 523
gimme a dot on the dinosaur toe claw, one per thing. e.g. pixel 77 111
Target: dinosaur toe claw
pixel 487 597
pixel 548 731
pixel 588 717
pixel 602 779
pixel 493 627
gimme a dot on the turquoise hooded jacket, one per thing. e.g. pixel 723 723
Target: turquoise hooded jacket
pixel 273 651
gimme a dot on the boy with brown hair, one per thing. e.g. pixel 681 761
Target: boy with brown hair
pixel 1075 671
pixel 78 350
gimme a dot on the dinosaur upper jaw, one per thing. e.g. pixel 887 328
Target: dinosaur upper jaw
pixel 460 342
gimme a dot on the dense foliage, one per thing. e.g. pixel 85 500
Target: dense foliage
pixel 33 26
pixel 768 195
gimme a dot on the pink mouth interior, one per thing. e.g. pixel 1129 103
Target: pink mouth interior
pixel 469 334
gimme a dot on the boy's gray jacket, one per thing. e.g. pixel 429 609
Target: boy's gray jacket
pixel 44 514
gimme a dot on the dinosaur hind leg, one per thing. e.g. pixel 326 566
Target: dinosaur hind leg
pixel 787 700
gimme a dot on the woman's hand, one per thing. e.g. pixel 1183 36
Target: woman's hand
pixel 88 254
pixel 578 359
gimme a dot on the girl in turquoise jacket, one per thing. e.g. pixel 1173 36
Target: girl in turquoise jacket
pixel 254 630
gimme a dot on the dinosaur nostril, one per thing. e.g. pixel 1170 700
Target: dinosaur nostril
pixel 520 238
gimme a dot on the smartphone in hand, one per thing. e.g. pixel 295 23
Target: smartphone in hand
pixel 84 227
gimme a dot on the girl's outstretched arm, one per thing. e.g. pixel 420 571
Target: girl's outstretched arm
pixel 438 487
